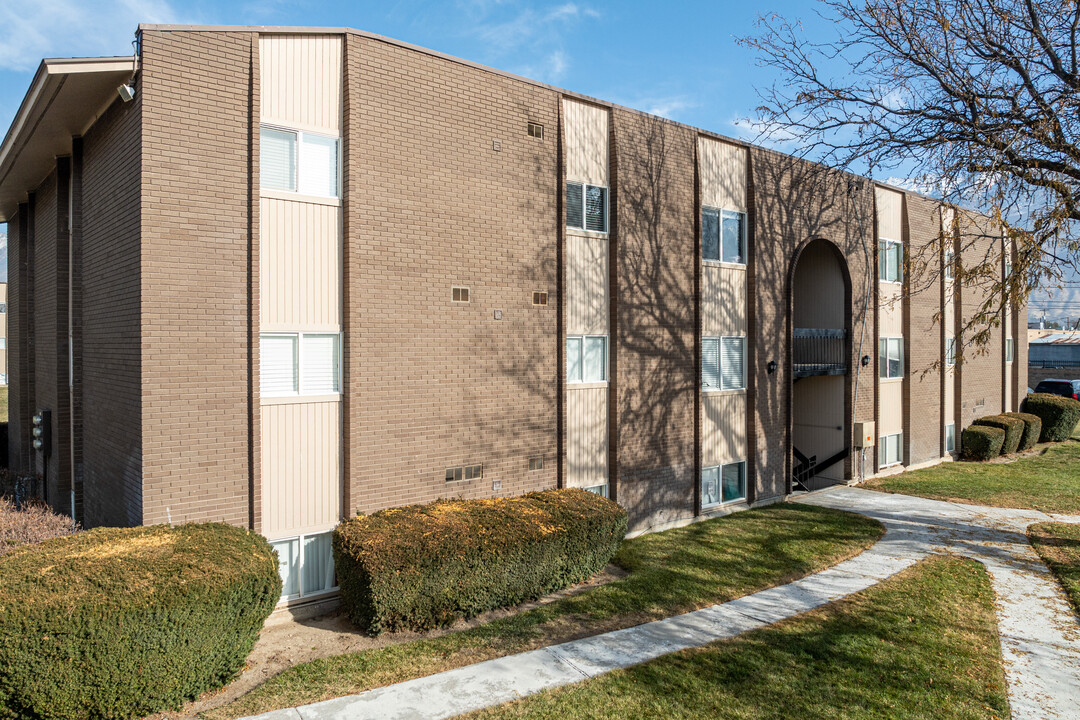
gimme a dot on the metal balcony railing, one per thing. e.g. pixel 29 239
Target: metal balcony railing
pixel 819 351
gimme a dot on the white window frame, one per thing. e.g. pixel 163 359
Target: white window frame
pixel 721 212
pixel 300 567
pixel 720 485
pixel 950 351
pixel 903 363
pixel 950 264
pixel 1010 350
pixel 299 136
pixel 889 245
pixel 584 204
pixel 950 438
pixel 581 358
pixel 720 363
pixel 299 392
pixel 883 451
pixel 603 491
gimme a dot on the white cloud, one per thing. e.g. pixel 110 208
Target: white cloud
pixel 666 107
pixel 71 28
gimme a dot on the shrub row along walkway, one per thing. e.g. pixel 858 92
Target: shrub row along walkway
pixel 1040 634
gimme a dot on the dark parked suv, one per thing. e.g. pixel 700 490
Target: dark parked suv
pixel 1064 388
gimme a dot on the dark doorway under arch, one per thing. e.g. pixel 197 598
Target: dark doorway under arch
pixel 820 323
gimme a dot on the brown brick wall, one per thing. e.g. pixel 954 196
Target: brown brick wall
pixel 108 359
pixel 196 279
pixel 46 392
pixel 432 384
pixel 981 366
pixel 16 339
pixel 795 202
pixel 923 339
pixel 655 373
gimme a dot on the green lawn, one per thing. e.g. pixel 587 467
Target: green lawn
pixel 1049 481
pixel 1058 544
pixel 923 644
pixel 670 573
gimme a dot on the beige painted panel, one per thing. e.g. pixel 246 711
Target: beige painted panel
pixel 949 404
pixel 723 300
pixel 891 311
pixel 586 436
pixel 889 204
pixel 301 467
pixel 818 421
pixel 890 407
pixel 1007 398
pixel 723 428
pixel 586 133
pixel 586 285
pixel 299 264
pixel 722 170
pixel 300 81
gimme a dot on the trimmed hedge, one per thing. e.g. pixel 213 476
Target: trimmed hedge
pixel 981 442
pixel 425 566
pixel 1059 415
pixel 124 622
pixel 1013 427
pixel 1032 429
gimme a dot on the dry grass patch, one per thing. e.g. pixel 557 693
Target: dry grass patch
pixel 33 524
pixel 1058 544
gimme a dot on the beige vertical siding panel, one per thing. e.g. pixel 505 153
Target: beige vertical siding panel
pixel 723 428
pixel 301 81
pixel 299 264
pixel 587 285
pixel 722 171
pixel 890 407
pixel 586 436
pixel 723 300
pixel 889 205
pixel 301 473
pixel 586 135
pixel 891 312
pixel 949 404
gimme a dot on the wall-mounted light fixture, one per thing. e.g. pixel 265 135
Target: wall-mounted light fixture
pixel 865 360
pixel 126 92
pixel 771 367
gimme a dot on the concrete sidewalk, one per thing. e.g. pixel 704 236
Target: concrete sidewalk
pixel 1040 635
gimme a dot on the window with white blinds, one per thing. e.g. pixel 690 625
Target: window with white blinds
pixel 300 364
pixel 277 159
pixel 318 165
pixel 723 363
pixel 277 365
pixel 586 207
pixel 298 161
pixel 320 370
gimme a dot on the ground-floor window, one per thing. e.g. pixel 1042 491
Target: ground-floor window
pixel 950 438
pixel 891 450
pixel 723 484
pixel 306 565
pixel 601 490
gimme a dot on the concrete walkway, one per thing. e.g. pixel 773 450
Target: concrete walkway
pixel 1040 635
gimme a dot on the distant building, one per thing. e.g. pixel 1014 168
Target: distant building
pixel 1054 354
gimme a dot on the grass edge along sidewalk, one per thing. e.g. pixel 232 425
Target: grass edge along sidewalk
pixel 921 644
pixel 1058 544
pixel 671 572
pixel 1045 479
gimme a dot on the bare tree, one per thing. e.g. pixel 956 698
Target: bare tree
pixel 976 100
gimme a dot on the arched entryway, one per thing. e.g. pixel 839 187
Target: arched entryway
pixel 820 323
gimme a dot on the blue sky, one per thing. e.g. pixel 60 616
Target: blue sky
pixel 675 59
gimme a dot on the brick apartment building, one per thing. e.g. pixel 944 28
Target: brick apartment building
pixel 305 273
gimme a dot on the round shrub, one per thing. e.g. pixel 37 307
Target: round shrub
pixel 981 442
pixel 1013 427
pixel 1032 429
pixel 1059 415
pixel 424 566
pixel 124 622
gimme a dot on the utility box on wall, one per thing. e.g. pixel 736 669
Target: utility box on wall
pixel 864 434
